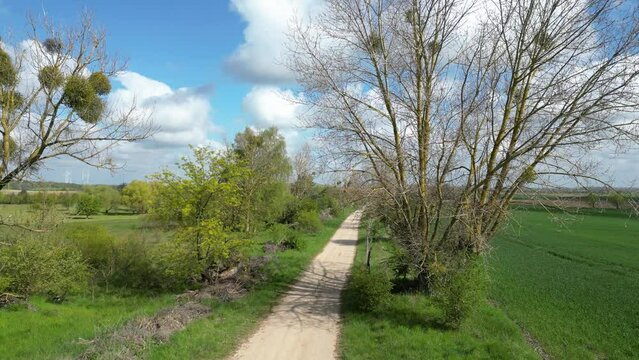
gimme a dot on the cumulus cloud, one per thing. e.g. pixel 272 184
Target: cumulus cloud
pixel 260 58
pixel 269 106
pixel 181 116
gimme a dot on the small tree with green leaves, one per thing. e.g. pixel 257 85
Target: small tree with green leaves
pixel 137 195
pixel 265 192
pixel 199 201
pixel 88 205
pixel 110 198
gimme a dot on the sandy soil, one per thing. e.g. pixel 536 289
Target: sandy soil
pixel 305 324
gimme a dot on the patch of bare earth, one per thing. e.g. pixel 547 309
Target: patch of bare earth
pixel 128 341
pixel 305 324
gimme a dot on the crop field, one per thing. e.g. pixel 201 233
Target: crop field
pixel 572 281
pixel 566 284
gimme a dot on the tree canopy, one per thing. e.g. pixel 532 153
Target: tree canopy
pixel 265 189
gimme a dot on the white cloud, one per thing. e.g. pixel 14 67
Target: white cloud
pixel 260 58
pixel 182 116
pixel 271 106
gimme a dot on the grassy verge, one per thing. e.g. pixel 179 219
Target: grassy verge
pixel 407 327
pixel 230 322
pixel 60 331
pixel 572 282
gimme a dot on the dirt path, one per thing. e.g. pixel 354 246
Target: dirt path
pixel 305 324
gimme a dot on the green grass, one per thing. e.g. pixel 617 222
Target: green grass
pixel 120 225
pixel 408 328
pixel 572 281
pixel 230 322
pixel 57 331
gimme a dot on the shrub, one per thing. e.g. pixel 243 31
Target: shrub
pixel 309 221
pixel 88 205
pixel 399 261
pixel 458 289
pixel 36 265
pixel 98 248
pixel 131 263
pixel 367 290
pixel 134 265
pixel 286 238
pixel 176 266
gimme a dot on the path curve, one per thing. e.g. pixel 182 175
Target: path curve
pixel 305 323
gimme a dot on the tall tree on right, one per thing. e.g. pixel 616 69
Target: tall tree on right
pixel 450 107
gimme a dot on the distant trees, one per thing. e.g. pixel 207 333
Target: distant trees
pixel 88 205
pixel 265 188
pixel 109 197
pixel 617 199
pixel 138 196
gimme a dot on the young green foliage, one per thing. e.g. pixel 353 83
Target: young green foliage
pixel 265 191
pixel 137 195
pixel 200 203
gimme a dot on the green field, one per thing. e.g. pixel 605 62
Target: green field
pixel 572 281
pixel 53 331
pixel 408 328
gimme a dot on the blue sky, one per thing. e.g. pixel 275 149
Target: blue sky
pixel 214 66
pixel 180 45
pixel 228 48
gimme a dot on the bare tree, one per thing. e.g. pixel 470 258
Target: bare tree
pixel 304 171
pixel 53 100
pixel 453 106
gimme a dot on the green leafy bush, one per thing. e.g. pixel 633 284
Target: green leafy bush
pixel 458 289
pixel 88 205
pixel 36 265
pixel 98 249
pixel 287 238
pixel 134 265
pixel 308 221
pixel 367 290
pixel 175 266
pixel 399 261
